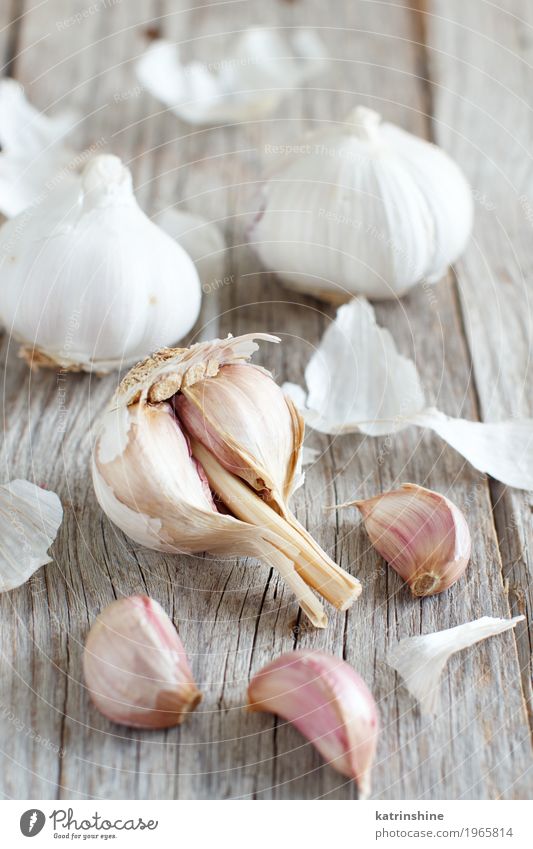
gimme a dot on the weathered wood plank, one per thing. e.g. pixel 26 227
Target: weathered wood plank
pixel 484 119
pixel 234 616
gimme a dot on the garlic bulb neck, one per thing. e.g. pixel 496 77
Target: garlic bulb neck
pixel 364 123
pixel 105 180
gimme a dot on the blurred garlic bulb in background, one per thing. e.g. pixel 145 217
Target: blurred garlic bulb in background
pixel 32 149
pixel 136 668
pixel 364 208
pixel 88 282
pixel 200 451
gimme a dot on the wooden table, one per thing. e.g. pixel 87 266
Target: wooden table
pixel 454 71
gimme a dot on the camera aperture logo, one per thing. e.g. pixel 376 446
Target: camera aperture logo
pixel 32 822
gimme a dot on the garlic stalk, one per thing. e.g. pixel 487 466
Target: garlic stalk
pixel 357 382
pixel 188 423
pixel 365 208
pixel 88 281
pixel 29 521
pixel 31 148
pixel 420 660
pixel 247 83
pixel 421 534
pixel 328 702
pixel 135 666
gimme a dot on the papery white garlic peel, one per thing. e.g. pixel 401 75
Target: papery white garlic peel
pixel 421 534
pixel 420 660
pixel 29 520
pixel 365 208
pixel 136 668
pixel 157 461
pixel 328 702
pixel 88 282
pixel 357 382
pixel 246 84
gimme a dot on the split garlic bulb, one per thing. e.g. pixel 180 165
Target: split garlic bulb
pixel 365 208
pixel 199 451
pixel 88 282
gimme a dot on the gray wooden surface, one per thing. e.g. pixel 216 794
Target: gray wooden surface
pixel 458 72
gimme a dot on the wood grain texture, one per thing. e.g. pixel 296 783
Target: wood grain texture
pixel 234 616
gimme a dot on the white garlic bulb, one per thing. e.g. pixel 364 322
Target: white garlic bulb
pixel 88 282
pixel 365 208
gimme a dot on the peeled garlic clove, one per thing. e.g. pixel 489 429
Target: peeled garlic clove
pixel 29 521
pixel 242 416
pixel 328 702
pixel 136 668
pixel 88 281
pixel 421 534
pixel 154 478
pixel 388 211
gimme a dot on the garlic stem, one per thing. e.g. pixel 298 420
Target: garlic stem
pixel 311 563
pixel 309 603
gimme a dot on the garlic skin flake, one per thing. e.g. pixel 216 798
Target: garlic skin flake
pixel 421 534
pixel 29 520
pixel 357 382
pixel 363 208
pixel 88 282
pixel 328 702
pixel 135 666
pixel 32 148
pixel 420 660
pixel 189 423
pixel 249 82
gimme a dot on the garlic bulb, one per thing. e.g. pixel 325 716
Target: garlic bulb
pixel 421 534
pixel 328 702
pixel 420 660
pixel 365 208
pixel 187 423
pixel 88 282
pixel 136 668
pixel 202 240
pixel 32 151
pixel 29 521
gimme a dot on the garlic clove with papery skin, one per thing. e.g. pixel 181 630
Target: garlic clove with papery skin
pixel 421 534
pixel 88 282
pixel 328 702
pixel 362 208
pixel 156 480
pixel 135 666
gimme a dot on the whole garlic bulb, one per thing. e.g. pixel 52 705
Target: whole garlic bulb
pixel 366 208
pixel 88 282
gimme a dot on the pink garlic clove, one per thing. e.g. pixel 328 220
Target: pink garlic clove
pixel 421 534
pixel 135 666
pixel 328 702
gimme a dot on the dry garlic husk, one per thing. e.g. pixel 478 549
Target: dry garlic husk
pixel 421 534
pixel 29 521
pixel 88 282
pixel 187 423
pixel 257 71
pixel 358 382
pixel 364 208
pixel 328 702
pixel 135 666
pixel 32 149
pixel 420 660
